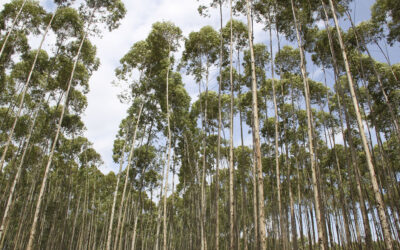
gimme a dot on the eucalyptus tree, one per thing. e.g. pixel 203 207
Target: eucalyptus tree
pixel 221 51
pixel 256 132
pixel 201 53
pixel 234 34
pixel 135 59
pixel 261 56
pixel 111 13
pixel 265 10
pixel 202 11
pixel 163 41
pixel 231 167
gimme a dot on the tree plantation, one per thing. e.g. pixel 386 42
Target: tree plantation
pixel 275 128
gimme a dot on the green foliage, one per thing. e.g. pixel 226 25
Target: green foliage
pixel 387 12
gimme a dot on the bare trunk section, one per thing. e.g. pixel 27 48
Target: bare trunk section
pixel 276 126
pixel 291 200
pixel 244 198
pixel 256 130
pixel 168 161
pixel 231 173
pixel 255 210
pixel 219 135
pixel 134 229
pixel 159 213
pixel 121 162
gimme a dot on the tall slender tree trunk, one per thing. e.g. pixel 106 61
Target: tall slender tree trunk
pixel 231 170
pixel 322 240
pixel 276 126
pixel 120 240
pixel 255 205
pixel 256 130
pixel 244 196
pixel 159 212
pixel 299 205
pixel 297 165
pixel 78 203
pixel 134 230
pixel 377 194
pixel 121 162
pixel 291 201
pixel 168 159
pixel 219 134
pixel 24 90
pixel 204 160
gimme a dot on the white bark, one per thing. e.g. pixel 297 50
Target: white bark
pixel 219 136
pixel 168 161
pixel 231 173
pixel 278 175
pixel 256 130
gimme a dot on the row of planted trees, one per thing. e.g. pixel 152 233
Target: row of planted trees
pixel 272 159
pixel 52 193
